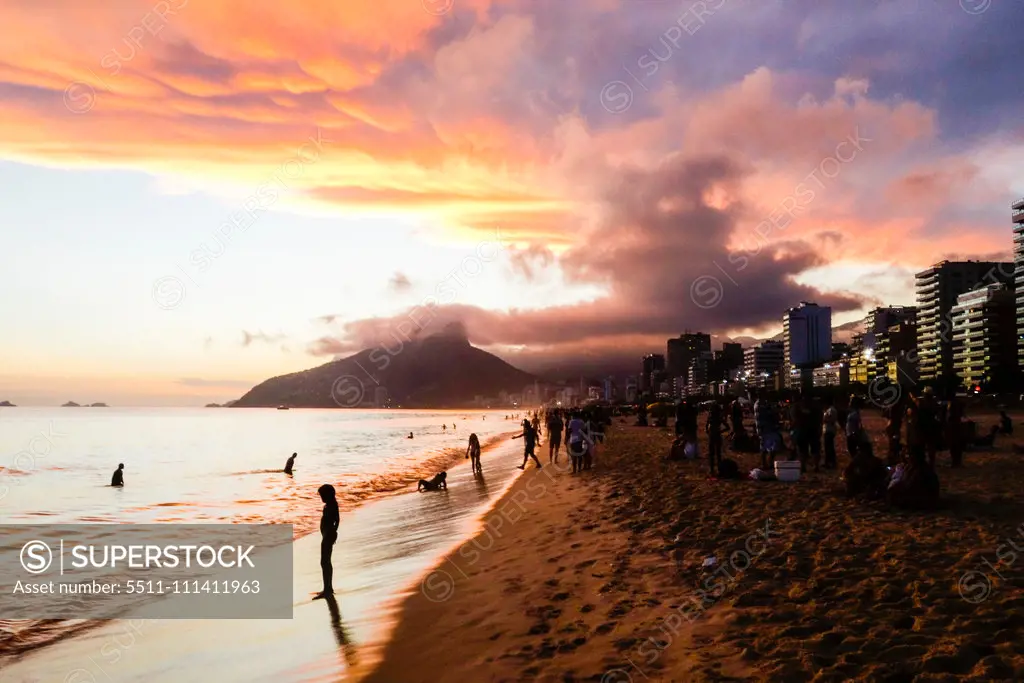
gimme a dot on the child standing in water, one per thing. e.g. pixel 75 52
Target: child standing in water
pixel 473 453
pixel 329 534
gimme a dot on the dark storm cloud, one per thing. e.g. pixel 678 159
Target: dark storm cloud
pixel 658 235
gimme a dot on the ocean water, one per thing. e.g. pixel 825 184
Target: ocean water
pixel 225 466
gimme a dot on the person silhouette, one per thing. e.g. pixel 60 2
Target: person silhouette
pixel 291 463
pixel 118 478
pixel 410 435
pixel 329 534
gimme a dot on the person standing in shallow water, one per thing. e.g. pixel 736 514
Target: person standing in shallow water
pixel 473 453
pixel 290 464
pixel 118 478
pixel 328 536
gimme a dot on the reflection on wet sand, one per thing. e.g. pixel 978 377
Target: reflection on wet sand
pixel 341 634
pixel 481 485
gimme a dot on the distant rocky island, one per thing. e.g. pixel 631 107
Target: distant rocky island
pixel 7 404
pixel 221 405
pixel 72 404
pixel 438 371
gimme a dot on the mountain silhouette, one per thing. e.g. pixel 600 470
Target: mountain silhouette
pixel 441 370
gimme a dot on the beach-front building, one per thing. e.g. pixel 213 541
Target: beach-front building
pixel 877 337
pixel 985 338
pixel 835 373
pixel 762 362
pixel 937 290
pixel 683 349
pixel 896 352
pixel 807 342
pixel 1017 214
pixel 653 364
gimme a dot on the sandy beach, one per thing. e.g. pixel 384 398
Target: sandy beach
pixel 598 577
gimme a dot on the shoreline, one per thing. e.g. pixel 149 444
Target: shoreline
pixel 599 577
pixel 378 553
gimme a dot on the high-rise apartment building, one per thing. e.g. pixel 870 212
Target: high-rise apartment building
pixel 682 351
pixel 729 358
pixel 895 351
pixel 807 342
pixel 653 366
pixel 876 326
pixel 985 338
pixel 1017 213
pixel 700 374
pixel 937 290
pixel 762 362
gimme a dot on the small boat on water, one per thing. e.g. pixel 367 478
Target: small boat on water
pixel 282 407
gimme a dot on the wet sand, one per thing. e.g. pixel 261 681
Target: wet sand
pixel 597 577
pixel 382 548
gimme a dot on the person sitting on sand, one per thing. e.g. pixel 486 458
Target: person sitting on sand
pixel 118 478
pixel 866 475
pixel 410 435
pixel 473 453
pixel 1005 423
pixel 290 464
pixel 529 438
pixel 438 482
pixel 641 416
pixel 329 522
pixel 914 486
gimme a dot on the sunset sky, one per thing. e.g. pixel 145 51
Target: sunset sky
pixel 201 194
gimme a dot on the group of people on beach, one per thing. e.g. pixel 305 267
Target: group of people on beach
pixel 906 477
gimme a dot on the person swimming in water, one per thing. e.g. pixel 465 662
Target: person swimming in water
pixel 118 478
pixel 328 536
pixel 410 435
pixel 291 463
